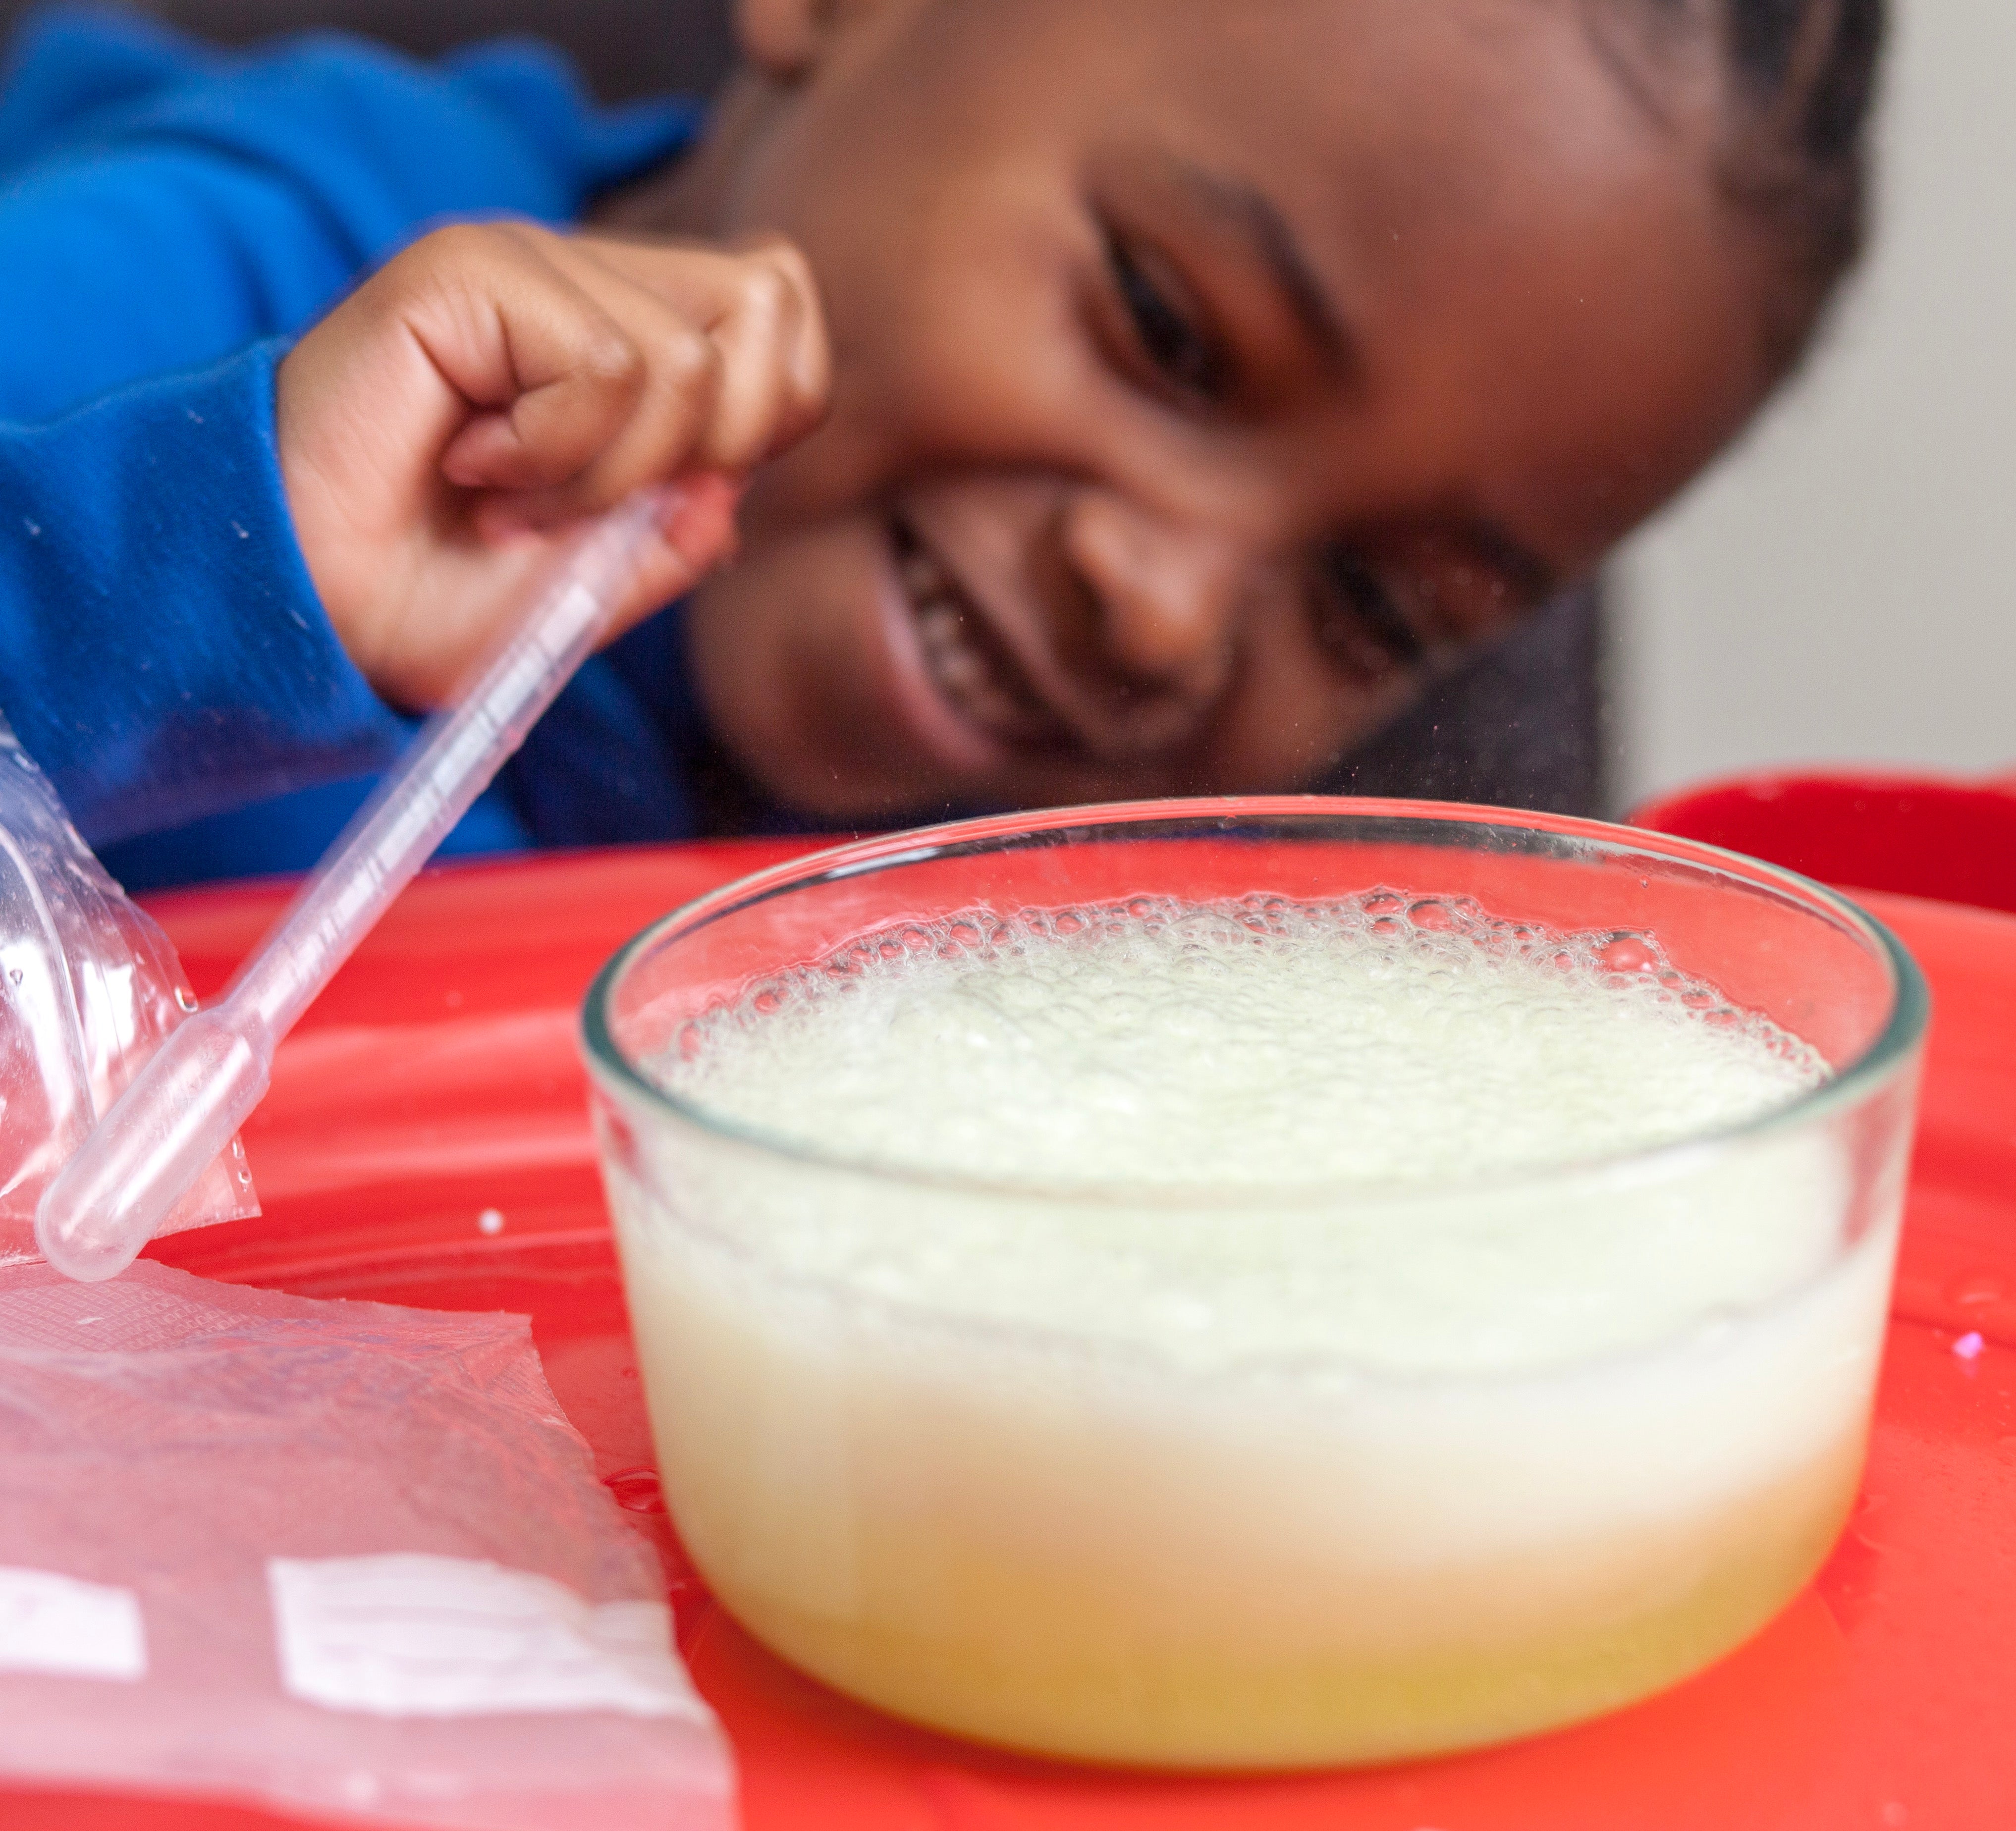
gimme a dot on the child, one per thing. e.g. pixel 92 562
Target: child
pixel 1203 381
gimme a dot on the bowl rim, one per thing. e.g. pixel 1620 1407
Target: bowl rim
pixel 1887 1053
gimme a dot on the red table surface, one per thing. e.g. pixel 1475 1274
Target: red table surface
pixel 437 1078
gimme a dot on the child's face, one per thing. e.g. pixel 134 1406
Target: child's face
pixel 1206 374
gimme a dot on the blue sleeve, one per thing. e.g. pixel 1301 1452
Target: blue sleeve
pixel 163 203
pixel 163 206
pixel 162 653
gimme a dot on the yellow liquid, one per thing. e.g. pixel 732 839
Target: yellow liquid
pixel 1051 1667
pixel 1093 1561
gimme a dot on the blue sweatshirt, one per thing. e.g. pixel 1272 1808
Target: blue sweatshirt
pixel 170 217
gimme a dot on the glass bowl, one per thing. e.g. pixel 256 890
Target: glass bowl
pixel 1098 1537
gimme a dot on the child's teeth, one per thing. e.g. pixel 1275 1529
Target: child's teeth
pixel 955 664
pixel 963 668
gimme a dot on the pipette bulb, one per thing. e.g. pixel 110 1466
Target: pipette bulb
pixel 128 1175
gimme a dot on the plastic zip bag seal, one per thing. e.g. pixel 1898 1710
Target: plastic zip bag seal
pixel 91 987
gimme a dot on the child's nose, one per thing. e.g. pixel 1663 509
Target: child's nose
pixel 1167 595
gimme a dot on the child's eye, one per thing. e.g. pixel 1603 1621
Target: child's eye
pixel 1358 618
pixel 1168 335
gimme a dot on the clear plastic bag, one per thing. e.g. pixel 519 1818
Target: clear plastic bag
pixel 90 987
pixel 347 1559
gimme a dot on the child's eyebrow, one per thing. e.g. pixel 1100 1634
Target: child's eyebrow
pixel 1267 231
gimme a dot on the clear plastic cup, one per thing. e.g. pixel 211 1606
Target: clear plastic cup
pixel 1079 1540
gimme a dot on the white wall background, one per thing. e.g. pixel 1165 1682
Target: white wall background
pixel 1843 585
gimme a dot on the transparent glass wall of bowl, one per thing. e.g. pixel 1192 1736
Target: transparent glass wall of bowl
pixel 1099 1531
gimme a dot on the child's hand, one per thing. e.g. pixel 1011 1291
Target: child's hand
pixel 441 430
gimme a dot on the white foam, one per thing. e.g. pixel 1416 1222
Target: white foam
pixel 1251 1043
pixel 1258 1049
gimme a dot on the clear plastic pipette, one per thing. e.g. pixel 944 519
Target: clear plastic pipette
pixel 164 1131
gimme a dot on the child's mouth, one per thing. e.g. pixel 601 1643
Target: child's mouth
pixel 969 664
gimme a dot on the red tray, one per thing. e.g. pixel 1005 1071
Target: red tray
pixel 1926 835
pixel 437 1079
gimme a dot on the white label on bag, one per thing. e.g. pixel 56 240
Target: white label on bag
pixel 413 1634
pixel 63 1625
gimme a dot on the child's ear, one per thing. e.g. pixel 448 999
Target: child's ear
pixel 785 39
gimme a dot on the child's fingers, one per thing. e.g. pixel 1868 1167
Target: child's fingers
pixel 555 374
pixel 735 354
pixel 775 365
pixel 665 432
pixel 500 359
pixel 566 371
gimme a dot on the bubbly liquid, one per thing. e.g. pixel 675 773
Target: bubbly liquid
pixel 1257 1043
pixel 1272 1409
